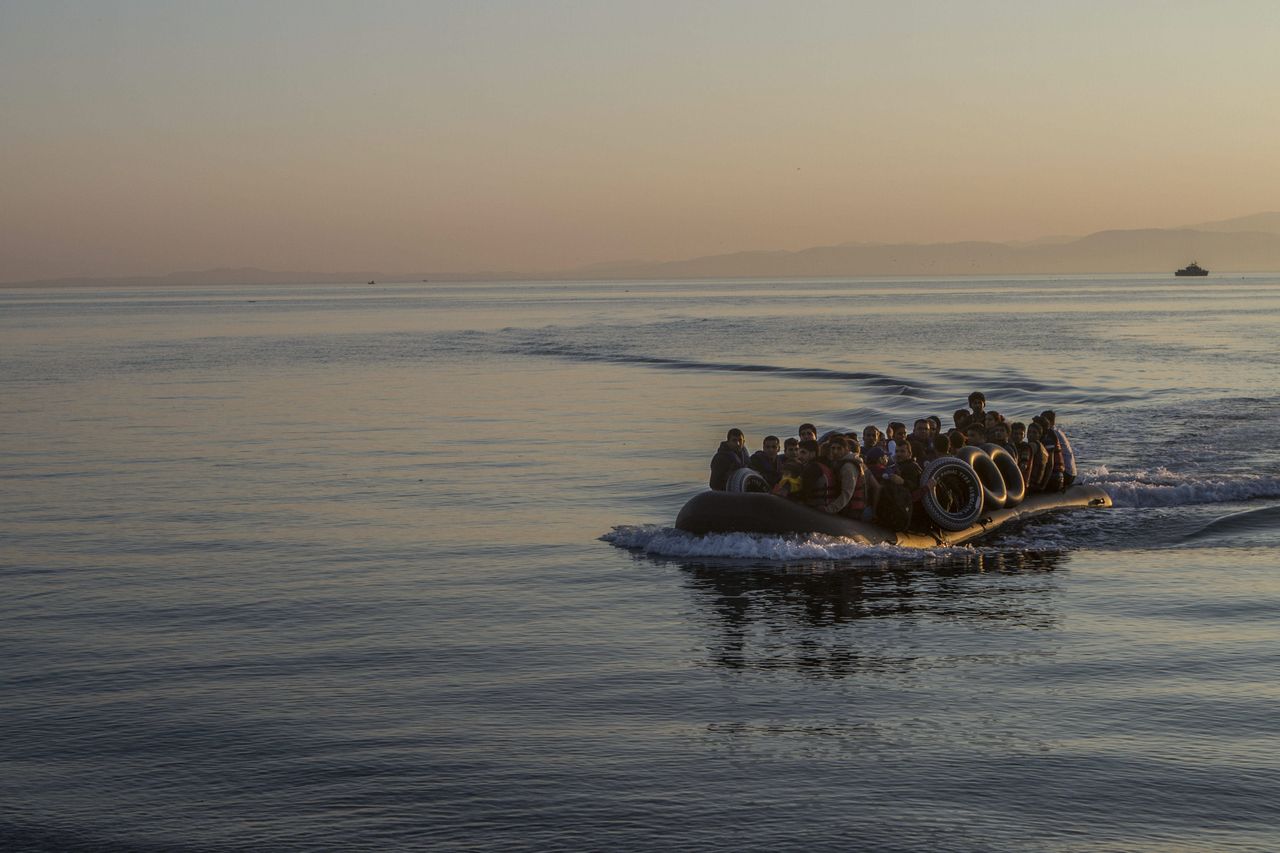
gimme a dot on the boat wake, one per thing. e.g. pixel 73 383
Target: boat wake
pixel 1241 527
pixel 1161 487
pixel 659 541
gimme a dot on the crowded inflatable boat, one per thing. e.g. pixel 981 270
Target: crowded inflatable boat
pixel 918 489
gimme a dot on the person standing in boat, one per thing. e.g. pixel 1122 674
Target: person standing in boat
pixel 978 407
pixel 730 456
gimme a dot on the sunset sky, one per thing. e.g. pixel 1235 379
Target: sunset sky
pixel 145 137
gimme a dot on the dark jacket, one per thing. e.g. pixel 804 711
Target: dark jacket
pixel 770 469
pixel 729 458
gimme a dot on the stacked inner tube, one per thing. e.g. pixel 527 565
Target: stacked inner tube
pixel 994 491
pixel 976 478
pixel 1015 486
pixel 746 480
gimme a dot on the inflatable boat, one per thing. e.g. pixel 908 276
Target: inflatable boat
pixel 972 496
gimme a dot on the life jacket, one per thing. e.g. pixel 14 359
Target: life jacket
pixel 1040 465
pixel 820 485
pixel 1057 466
pixel 1024 459
pixel 858 502
pixel 788 487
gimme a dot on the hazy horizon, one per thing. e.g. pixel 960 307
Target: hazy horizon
pixel 144 138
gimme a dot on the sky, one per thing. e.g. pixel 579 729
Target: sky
pixel 140 138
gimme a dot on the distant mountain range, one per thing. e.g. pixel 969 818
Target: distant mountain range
pixel 1244 244
pixel 1249 243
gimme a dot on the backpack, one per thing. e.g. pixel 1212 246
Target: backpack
pixel 894 507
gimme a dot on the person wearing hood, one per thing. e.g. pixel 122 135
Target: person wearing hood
pixel 731 455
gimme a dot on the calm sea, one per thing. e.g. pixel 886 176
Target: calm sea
pixel 393 568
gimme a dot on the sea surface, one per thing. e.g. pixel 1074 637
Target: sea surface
pixel 393 567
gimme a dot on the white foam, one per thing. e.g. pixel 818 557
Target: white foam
pixel 1161 487
pixel 669 542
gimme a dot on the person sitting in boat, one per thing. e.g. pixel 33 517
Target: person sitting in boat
pixel 900 492
pixel 978 407
pixel 816 478
pixel 1022 450
pixel 975 434
pixel 961 418
pixel 1049 439
pixel 921 438
pixel 999 434
pixel 1041 466
pixel 790 483
pixel 1068 453
pixel 935 425
pixel 855 447
pixel 955 440
pixel 848 480
pixel 731 455
pixel 789 449
pixel 766 461
pixel 872 437
pixel 895 434
pixel 906 468
pixel 808 432
pixel 877 468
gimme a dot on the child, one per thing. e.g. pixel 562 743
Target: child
pixel 790 485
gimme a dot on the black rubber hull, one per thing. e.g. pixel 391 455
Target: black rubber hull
pixel 745 512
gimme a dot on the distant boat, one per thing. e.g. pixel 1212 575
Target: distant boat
pixel 374 282
pixel 1192 269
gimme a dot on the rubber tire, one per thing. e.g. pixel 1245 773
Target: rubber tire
pixel 959 471
pixel 1010 472
pixel 746 480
